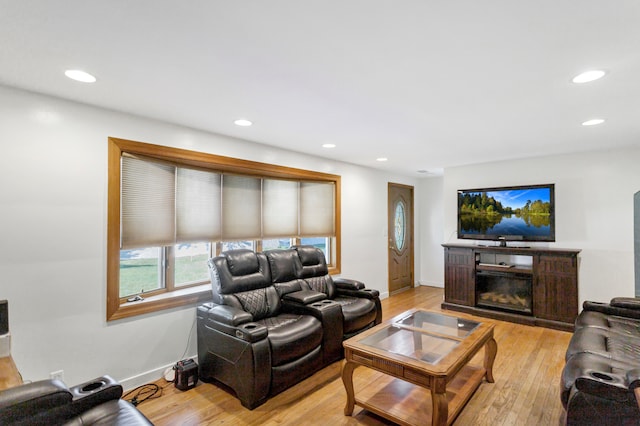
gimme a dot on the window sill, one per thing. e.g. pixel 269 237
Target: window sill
pixel 182 297
pixel 159 302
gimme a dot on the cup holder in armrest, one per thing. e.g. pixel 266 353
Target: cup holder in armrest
pixel 92 386
pixel 607 378
pixel 602 376
pixel 372 292
pixel 251 332
pixel 96 391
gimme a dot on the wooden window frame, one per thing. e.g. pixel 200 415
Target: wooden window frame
pixel 117 307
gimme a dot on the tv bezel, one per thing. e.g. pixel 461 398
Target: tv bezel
pixel 504 238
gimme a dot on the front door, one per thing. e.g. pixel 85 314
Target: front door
pixel 400 233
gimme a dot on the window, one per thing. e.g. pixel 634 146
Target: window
pixel 191 263
pixel 170 209
pixel 323 243
pixel 140 270
pixel 236 245
pixel 279 243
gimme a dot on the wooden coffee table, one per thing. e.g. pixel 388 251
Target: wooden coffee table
pixel 429 352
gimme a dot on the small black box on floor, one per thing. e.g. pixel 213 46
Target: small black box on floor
pixel 186 374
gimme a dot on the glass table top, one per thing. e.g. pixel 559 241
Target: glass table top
pixel 425 336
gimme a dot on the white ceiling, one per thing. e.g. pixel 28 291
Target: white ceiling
pixel 428 84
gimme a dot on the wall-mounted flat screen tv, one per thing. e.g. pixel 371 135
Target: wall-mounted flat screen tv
pixel 510 213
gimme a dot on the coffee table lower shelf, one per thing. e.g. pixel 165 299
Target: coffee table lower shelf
pixel 408 404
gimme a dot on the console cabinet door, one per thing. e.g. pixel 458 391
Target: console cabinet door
pixel 459 276
pixel 555 289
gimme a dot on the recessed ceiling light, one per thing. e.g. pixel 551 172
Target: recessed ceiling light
pixel 588 76
pixel 329 145
pixel 593 122
pixel 381 159
pixel 79 75
pixel 423 171
pixel 242 122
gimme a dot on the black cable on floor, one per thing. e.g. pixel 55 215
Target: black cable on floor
pixel 143 393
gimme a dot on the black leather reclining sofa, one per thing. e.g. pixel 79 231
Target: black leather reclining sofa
pixel 50 402
pixel 602 368
pixel 276 318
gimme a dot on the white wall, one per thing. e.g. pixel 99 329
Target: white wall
pixel 53 197
pixel 431 266
pixel 53 170
pixel 594 211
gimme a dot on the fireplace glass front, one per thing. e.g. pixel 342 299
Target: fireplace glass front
pixel 504 291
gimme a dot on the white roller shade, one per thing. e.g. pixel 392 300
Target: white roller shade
pixel 317 200
pixel 279 208
pixel 164 204
pixel 241 210
pixel 197 205
pixel 147 203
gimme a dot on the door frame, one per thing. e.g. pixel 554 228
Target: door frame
pixel 410 240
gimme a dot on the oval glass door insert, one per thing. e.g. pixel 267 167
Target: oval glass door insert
pixel 400 223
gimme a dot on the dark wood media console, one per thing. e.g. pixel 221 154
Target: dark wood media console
pixel 533 286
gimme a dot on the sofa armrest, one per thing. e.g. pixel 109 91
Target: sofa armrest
pixel 625 302
pixel 31 399
pixel 95 392
pixel 348 287
pixel 367 293
pixel 232 321
pixel 353 288
pixel 304 297
pixel 348 284
pixel 51 402
pixel 603 385
pixel 608 309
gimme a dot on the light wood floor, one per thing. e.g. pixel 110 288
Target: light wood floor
pixel 526 389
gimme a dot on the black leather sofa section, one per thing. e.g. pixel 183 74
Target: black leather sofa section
pixel 276 318
pixel 602 367
pixel 50 402
pixel 305 268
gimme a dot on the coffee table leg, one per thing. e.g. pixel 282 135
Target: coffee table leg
pixel 347 379
pixel 490 351
pixel 440 404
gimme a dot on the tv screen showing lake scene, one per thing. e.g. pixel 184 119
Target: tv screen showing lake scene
pixel 517 212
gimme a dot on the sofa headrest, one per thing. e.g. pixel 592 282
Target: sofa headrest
pixel 313 261
pixel 241 262
pixel 238 271
pixel 284 265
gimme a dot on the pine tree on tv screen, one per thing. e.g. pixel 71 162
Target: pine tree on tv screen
pixel 525 212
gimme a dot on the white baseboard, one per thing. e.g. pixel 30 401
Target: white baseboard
pixel 431 284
